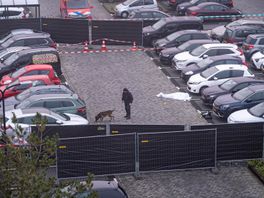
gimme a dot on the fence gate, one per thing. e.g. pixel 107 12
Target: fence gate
pixel 100 155
pixel 177 150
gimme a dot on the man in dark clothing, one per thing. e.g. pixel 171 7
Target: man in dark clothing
pixel 127 98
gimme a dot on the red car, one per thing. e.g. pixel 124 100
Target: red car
pixel 214 12
pixel 25 82
pixel 75 9
pixel 30 70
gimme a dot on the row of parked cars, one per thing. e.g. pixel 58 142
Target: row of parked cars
pixel 215 64
pixel 30 71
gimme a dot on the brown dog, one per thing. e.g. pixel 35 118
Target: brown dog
pixel 100 116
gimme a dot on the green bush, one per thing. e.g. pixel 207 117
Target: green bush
pixel 258 165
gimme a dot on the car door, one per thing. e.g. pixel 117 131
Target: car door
pixel 180 40
pixel 224 52
pixel 237 73
pixel 168 29
pixel 136 5
pixel 69 106
pixel 220 77
pixel 54 105
pixel 239 87
pixel 210 52
pixel 146 15
pixel 261 44
pixel 149 4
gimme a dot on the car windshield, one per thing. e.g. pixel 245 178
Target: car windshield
pixel 257 110
pixel 159 24
pixel 11 59
pixel 172 37
pixel 243 93
pixel 76 4
pixel 128 2
pixel 13 83
pixel 204 62
pixel 18 72
pixel 198 51
pixel 185 46
pixel 209 72
pixel 234 23
pixel 22 96
pixel 8 42
pixel 227 85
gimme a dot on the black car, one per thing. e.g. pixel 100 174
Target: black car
pixel 34 39
pixel 231 86
pixel 181 8
pixel 169 25
pixel 31 56
pixel 253 44
pixel 238 34
pixel 177 38
pixel 248 97
pixel 167 55
pixel 212 61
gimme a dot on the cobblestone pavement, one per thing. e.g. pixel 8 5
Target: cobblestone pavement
pixel 100 78
pixel 229 182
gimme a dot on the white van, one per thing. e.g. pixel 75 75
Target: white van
pixel 123 9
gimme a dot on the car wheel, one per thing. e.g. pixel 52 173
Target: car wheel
pixel 124 14
pixel 201 90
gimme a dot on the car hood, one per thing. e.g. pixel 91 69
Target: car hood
pixel 213 90
pixel 219 31
pixel 183 56
pixel 191 67
pixel 225 99
pixel 148 29
pixel 170 51
pixel 75 120
pixel 243 116
pixel 161 42
pixel 196 78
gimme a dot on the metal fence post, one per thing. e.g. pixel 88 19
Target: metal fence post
pixel 40 24
pixel 136 155
pixel 107 129
pixel 90 32
pixel 187 127
pixel 215 169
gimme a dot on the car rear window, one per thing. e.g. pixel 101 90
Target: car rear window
pixel 250 40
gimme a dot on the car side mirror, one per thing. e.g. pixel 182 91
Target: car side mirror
pixel 215 78
pixel 205 56
pixel 58 122
pixel 248 100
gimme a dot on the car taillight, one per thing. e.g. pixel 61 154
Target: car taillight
pixel 53 44
pixel 82 110
pixel 241 51
pixel 193 13
pixel 248 46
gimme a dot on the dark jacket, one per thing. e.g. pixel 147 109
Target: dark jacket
pixel 127 96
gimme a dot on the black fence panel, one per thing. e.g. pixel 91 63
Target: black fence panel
pixel 177 150
pixel 11 24
pixel 74 131
pixel 66 30
pixel 123 129
pixel 98 155
pixel 123 32
pixel 237 141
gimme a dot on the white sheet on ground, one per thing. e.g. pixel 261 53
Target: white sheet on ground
pixel 176 96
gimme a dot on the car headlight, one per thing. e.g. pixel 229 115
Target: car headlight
pixel 212 96
pixel 189 73
pixel 224 107
pixel 194 83
pixel 181 8
pixel 179 61
pixel 165 55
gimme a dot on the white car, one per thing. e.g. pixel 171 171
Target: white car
pixel 216 76
pixel 257 60
pixel 253 114
pixel 124 9
pixel 25 116
pixel 186 58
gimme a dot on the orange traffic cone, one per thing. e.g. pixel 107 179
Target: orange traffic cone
pixel 103 47
pixel 134 48
pixel 85 49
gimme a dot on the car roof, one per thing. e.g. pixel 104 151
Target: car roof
pixel 255 36
pixel 21 31
pixel 17 48
pixel 208 3
pixel 33 77
pixel 36 88
pixel 182 18
pixel 224 57
pixel 231 66
pixel 244 27
pixel 33 35
pixel 249 21
pixel 190 31
pixel 38 66
pixel 34 50
pixel 33 110
pixel 220 45
pixel 256 87
pixel 51 96
pixel 148 10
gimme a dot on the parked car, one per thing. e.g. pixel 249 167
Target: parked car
pixel 248 97
pixel 212 61
pixel 181 8
pixel 174 3
pixel 230 86
pixel 25 118
pixel 147 14
pixel 63 103
pixel 216 76
pixel 24 83
pixel 31 70
pixel 15 32
pixel 218 32
pixel 238 34
pixel 168 25
pixel 38 90
pixel 75 9
pixel 4 54
pixel 166 55
pixel 253 44
pixel 123 9
pixel 253 114
pixel 15 13
pixel 257 60
pixel 31 56
pixel 211 11
pixel 36 39
pixel 177 38
pixel 184 59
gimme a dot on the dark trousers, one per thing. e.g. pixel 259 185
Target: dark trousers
pixel 127 108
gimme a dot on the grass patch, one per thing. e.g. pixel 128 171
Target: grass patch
pixel 110 7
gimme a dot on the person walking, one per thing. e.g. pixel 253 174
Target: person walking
pixel 127 98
